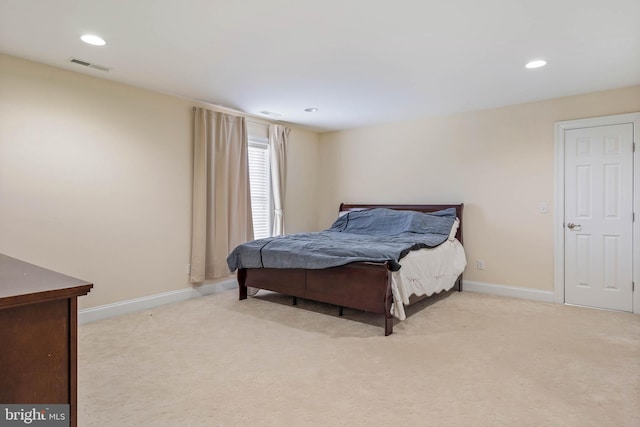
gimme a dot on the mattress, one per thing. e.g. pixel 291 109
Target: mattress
pixel 426 272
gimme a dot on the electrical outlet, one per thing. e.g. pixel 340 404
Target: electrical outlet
pixel 480 264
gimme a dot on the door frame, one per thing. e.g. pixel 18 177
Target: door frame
pixel 560 128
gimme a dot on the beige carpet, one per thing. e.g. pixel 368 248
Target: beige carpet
pixel 466 359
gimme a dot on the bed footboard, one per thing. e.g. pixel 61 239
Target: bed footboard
pixel 362 286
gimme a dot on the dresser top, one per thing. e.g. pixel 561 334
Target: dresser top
pixel 24 283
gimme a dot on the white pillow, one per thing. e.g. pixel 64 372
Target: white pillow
pixel 454 229
pixel 343 213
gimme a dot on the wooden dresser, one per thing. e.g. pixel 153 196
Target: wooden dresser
pixel 38 335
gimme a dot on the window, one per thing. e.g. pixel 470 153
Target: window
pixel 260 184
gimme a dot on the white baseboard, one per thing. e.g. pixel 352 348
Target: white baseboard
pixel 138 304
pixel 508 291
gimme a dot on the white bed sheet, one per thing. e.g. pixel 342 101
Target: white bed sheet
pixel 425 272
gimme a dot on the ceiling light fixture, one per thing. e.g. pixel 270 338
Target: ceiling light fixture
pixel 310 110
pixel 271 114
pixel 93 40
pixel 536 63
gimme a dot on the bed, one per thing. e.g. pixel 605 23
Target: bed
pixel 367 286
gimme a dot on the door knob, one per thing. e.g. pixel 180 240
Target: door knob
pixel 571 225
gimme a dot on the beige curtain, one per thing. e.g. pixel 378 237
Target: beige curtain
pixel 221 198
pixel 278 139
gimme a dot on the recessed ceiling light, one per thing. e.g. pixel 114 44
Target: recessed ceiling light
pixel 271 114
pixel 94 40
pixel 536 63
pixel 310 110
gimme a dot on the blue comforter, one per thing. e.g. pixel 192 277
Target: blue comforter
pixel 374 235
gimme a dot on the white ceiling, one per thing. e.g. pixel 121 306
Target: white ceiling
pixel 360 62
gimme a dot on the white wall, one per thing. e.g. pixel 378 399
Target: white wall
pixel 95 180
pixel 499 162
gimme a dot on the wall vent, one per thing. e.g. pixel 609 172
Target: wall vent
pixel 88 64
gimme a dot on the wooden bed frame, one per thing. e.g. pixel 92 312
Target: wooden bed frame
pixel 360 285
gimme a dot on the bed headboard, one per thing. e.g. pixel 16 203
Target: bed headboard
pixel 419 208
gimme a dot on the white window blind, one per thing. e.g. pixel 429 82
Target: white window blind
pixel 260 184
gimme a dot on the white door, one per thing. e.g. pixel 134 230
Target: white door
pixel 598 216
